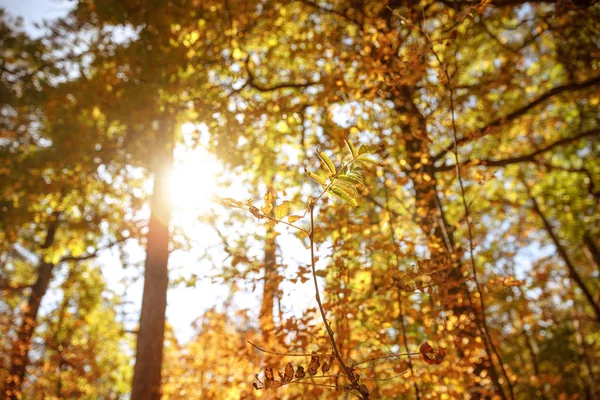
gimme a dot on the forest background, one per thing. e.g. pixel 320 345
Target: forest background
pixel 378 199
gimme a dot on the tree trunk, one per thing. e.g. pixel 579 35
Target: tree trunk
pixel 149 350
pixel 270 284
pixel 19 358
pixel 430 217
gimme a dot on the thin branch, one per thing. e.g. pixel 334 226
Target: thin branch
pixel 336 352
pixel 251 81
pixel 531 157
pixel 286 354
pixel 469 227
pixel 94 254
pixel 518 113
pixel 573 274
pixel 385 358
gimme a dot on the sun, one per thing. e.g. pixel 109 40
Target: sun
pixel 193 181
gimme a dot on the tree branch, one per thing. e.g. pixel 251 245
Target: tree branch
pixel 518 113
pixel 94 254
pixel 253 84
pixel 336 352
pixel 573 274
pixel 524 158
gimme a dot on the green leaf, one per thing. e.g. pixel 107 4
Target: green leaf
pixel 352 178
pixel 367 160
pixel 351 148
pixel 365 149
pixel 316 178
pixel 282 210
pixel 346 187
pixel 344 196
pixel 328 163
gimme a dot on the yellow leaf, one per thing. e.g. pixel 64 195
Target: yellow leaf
pixel 293 218
pixel 268 207
pixel 282 210
pixel 328 163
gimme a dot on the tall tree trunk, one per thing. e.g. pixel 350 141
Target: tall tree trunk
pixel 430 217
pixel 270 283
pixel 19 357
pixel 149 349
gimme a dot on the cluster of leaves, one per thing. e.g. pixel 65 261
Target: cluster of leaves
pixel 343 182
pixel 289 375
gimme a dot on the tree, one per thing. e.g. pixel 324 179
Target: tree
pixel 459 261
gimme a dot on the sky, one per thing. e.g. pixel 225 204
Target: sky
pixel 33 11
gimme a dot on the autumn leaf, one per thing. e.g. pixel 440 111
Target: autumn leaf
pixel 300 372
pixel 430 355
pixel 313 367
pixel 288 374
pixel 268 206
pixel 282 210
pixel 327 163
pixel 294 218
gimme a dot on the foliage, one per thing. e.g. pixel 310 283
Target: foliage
pixel 420 212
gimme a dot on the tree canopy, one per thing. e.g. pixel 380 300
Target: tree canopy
pixel 401 199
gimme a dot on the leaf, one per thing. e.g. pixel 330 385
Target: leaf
pixel 270 382
pixel 321 273
pixel 293 218
pixel 313 367
pixel 268 206
pixel 430 355
pixel 363 149
pixel 346 187
pixel 344 196
pixel 316 178
pixel 328 163
pixel 269 374
pixel 327 365
pixel 255 211
pixel 368 160
pixel 351 148
pixel 350 179
pixel 282 210
pixel 300 372
pixel 229 202
pixel 288 374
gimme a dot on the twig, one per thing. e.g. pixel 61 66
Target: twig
pixel 336 352
pixel 386 357
pixel 286 354
pixel 468 217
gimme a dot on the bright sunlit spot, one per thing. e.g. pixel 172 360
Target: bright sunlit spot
pixel 194 178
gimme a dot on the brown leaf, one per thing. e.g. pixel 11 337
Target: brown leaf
pixel 256 212
pixel 430 355
pixel 313 367
pixel 300 372
pixel 269 374
pixel 289 373
pixel 270 382
pixel 327 364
